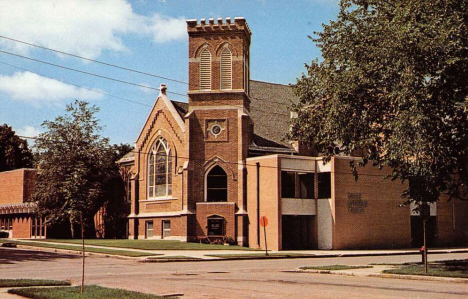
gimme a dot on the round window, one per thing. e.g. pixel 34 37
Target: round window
pixel 216 129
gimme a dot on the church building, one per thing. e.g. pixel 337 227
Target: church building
pixel 210 169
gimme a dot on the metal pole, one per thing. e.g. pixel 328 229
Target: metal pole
pixel 266 247
pixel 425 247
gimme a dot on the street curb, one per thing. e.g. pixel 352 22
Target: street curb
pixel 383 275
pixel 420 277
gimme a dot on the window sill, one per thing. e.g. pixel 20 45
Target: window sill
pixel 158 199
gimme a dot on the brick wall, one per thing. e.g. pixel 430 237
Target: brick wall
pixel 16 186
pixel 366 212
pixel 269 202
pixel 225 210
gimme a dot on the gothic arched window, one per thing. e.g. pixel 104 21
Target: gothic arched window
pixel 159 170
pixel 226 69
pixel 205 70
pixel 216 185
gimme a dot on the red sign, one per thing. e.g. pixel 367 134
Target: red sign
pixel 263 221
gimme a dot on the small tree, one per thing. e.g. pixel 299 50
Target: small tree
pixel 72 168
pixel 14 151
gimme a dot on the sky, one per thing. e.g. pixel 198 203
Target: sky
pixel 148 36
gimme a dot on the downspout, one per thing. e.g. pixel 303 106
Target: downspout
pixel 258 203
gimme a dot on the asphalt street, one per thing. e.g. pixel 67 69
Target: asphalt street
pixel 230 279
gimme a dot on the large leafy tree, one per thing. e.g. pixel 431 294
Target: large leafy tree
pixel 14 151
pixel 392 85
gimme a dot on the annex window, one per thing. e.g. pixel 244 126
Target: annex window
pixel 297 185
pixel 166 228
pixel 159 170
pixel 324 185
pixel 149 229
pixel 216 185
pixel 205 70
pixel 226 69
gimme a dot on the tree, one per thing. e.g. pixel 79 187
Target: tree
pixel 116 206
pixel 72 163
pixel 393 85
pixel 14 151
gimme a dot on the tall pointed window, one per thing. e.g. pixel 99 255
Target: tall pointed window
pixel 226 69
pixel 216 185
pixel 159 170
pixel 205 70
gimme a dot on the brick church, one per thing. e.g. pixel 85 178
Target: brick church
pixel 211 168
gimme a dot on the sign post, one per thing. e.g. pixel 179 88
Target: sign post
pixel 264 223
pixel 425 214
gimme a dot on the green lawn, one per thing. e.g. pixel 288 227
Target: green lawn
pixel 78 248
pixel 454 268
pixel 149 244
pixel 90 292
pixel 334 267
pixel 5 283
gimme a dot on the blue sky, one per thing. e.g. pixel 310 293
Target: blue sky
pixel 148 36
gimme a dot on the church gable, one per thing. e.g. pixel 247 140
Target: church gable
pixel 164 119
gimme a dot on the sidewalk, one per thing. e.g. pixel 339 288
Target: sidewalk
pixel 204 255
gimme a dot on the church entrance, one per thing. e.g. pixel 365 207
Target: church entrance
pixel 298 232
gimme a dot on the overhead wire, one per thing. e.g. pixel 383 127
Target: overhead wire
pixel 84 87
pixel 88 73
pixel 93 60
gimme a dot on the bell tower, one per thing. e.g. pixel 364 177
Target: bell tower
pixel 219 125
pixel 219 62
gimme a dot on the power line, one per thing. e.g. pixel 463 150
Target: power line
pixel 90 89
pixel 93 60
pixel 88 73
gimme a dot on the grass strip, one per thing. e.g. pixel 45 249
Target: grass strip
pixel 78 248
pixel 334 267
pixel 453 269
pixel 90 292
pixel 260 255
pixel 5 283
pixel 150 244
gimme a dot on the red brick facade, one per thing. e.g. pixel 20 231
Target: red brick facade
pixel 223 176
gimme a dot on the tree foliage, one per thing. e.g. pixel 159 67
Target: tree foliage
pixel 72 162
pixel 392 86
pixel 14 151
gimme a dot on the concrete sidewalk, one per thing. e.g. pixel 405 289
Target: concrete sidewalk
pixel 205 255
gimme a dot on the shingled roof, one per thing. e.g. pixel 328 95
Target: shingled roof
pixel 270 111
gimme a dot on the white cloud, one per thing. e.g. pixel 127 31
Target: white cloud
pixel 82 27
pixel 167 29
pixel 34 89
pixel 28 131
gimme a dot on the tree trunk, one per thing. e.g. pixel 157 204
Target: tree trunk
pixel 83 253
pixel 72 228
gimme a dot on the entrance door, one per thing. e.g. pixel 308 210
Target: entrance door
pixel 298 232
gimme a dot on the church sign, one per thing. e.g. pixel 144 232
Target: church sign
pixel 355 203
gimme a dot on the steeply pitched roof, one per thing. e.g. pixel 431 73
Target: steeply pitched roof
pixel 181 108
pixel 270 111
